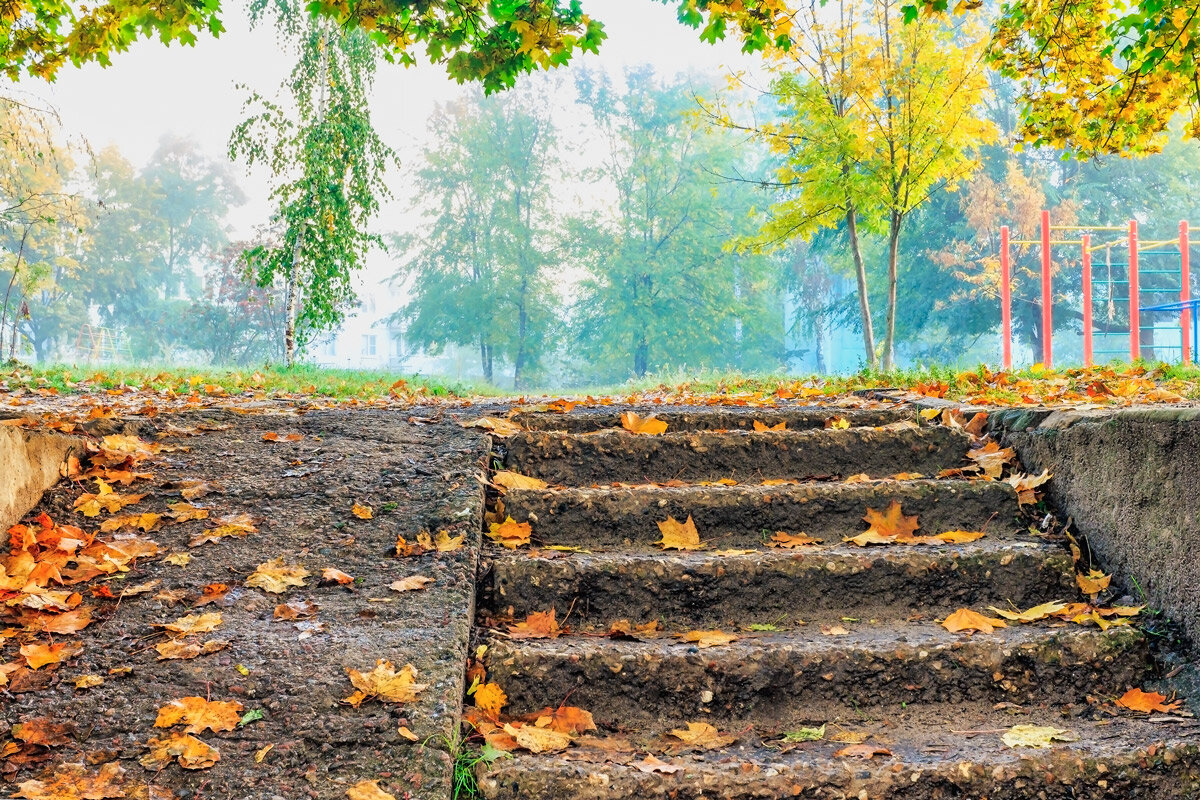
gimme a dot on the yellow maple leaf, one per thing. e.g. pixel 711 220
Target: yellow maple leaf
pixel 385 683
pixel 411 583
pixel 704 639
pixel 538 740
pixel 647 426
pixel 276 577
pixel 678 535
pixel 1094 582
pixel 513 480
pixel 190 752
pixel 967 620
pixel 199 714
pixel 510 533
pixel 368 790
pixel 193 624
pixel 1033 614
pixel 361 511
pixel 490 698
pixel 703 736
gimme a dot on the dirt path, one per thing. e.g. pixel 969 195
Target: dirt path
pixel 299 495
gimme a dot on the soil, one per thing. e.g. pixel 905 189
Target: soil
pixel 416 477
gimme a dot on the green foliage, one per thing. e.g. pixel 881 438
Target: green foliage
pixel 492 41
pixel 662 287
pixel 328 164
pixel 479 269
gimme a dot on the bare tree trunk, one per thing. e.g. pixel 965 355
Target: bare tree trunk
pixel 12 281
pixel 889 341
pixel 864 301
pixel 291 304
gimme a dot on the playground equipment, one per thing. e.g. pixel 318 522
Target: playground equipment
pixel 1121 285
pixel 96 343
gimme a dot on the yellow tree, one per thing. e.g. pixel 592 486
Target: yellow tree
pixel 876 116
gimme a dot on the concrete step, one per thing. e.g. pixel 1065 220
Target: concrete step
pixel 619 456
pixel 708 418
pixel 744 515
pixel 771 679
pixel 935 753
pixel 782 587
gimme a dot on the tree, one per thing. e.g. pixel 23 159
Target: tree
pixel 328 163
pixel 1100 77
pixel 483 40
pixel 877 116
pixel 478 269
pixel 662 288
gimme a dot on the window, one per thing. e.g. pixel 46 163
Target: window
pixel 369 344
pixel 329 347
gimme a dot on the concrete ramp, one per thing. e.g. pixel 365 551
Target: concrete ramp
pixel 29 465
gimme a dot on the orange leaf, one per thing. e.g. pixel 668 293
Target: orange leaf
pixel 1094 582
pixel 967 620
pixel 788 540
pixel 1137 700
pixel 761 427
pixel 331 575
pixel 490 698
pixel 862 751
pixel 704 639
pixel 38 655
pixel 199 714
pixel 361 511
pixel 679 535
pixel 538 625
pixel 649 426
pixel 510 533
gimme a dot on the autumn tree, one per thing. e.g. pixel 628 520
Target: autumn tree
pixel 663 290
pixel 328 166
pixel 877 116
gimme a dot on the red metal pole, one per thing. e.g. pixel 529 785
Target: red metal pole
pixel 1047 296
pixel 1005 299
pixel 1087 299
pixel 1185 290
pixel 1135 318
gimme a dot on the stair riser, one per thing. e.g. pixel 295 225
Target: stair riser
pixel 736 517
pixel 733 592
pixel 699 456
pixel 1042 775
pixel 771 686
pixel 713 420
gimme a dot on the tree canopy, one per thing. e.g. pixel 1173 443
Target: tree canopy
pixel 492 41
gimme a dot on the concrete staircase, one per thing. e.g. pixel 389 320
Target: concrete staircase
pixel 834 637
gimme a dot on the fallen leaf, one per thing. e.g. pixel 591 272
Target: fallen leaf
pixel 184 512
pixel 361 511
pixel 837 423
pixel 651 764
pixel 703 736
pixel 958 537
pixel 1094 582
pixel 411 583
pixel 39 655
pixel 886 527
pixel 190 752
pixel 296 609
pixel 76 782
pixel 762 427
pixel 407 734
pixel 991 458
pixel 276 577
pixel 648 426
pixel 199 714
pixel 538 625
pixel 866 751
pixel 261 753
pixel 1033 614
pixel 180 648
pixel 1137 700
pixel 834 630
pixel 193 624
pixel 1035 736
pixel 1025 485
pixel 538 740
pixel 513 480
pixel 385 683
pixel 368 790
pixel 489 699
pixel 43 731
pixel 495 426
pixel 272 436
pixel 566 719
pixel 679 535
pixel 178 559
pixel 704 639
pixel 443 542
pixel 510 533
pixel 88 681
pixel 967 620
pixel 790 540
pixel 331 575
pixel 805 735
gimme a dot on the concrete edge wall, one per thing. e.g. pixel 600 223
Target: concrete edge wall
pixel 29 465
pixel 1130 480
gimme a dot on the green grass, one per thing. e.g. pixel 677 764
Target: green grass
pixel 340 384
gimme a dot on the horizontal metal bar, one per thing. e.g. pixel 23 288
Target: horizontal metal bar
pixel 1088 228
pixel 1039 241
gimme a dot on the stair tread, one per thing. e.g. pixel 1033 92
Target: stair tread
pixel 928 744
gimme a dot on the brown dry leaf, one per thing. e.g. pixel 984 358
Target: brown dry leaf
pixel 510 533
pixel 199 714
pixel 1137 700
pixel 296 609
pixel 76 782
pixel 495 426
pixel 834 630
pixel 1094 582
pixel 368 790
pixel 991 459
pixel 791 540
pixel 967 620
pixel 538 740
pixel 761 427
pixel 407 734
pixel 977 423
pixel 361 511
pixel 39 655
pixel 907 476
pixel 43 731
pixel 385 683
pixel 193 624
pixel 276 577
pixel 703 736
pixel 190 752
pixel 512 480
pixel 678 535
pixel 648 426
pixel 958 537
pixel 65 623
pixel 704 639
pixel 1025 485
pixel 183 512
pixel 179 648
pixel 566 719
pixel 331 575
pixel 867 751
pixel 1034 614
pixel 651 764
pixel 890 526
pixel 411 584
pixel 538 625
pixel 272 436
pixel 489 699
pixel 861 477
